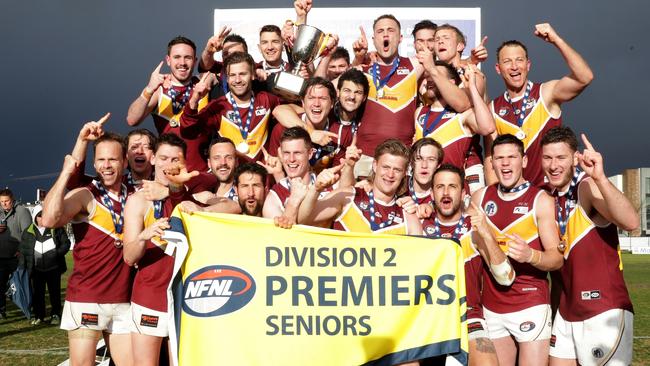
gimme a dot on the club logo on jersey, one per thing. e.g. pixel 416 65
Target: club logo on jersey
pixel 526 326
pixel 490 208
pixel 430 230
pixel 590 295
pixel 217 290
pixel 363 205
pixel 403 71
pixel 232 116
pixel 260 111
pixel 503 111
pixel 521 210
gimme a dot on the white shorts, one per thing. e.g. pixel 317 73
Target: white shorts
pixel 112 318
pixel 149 322
pixel 476 328
pixel 530 324
pixel 603 338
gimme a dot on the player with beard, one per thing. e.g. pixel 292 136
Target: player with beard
pixel 250 183
pixel 165 96
pixel 144 224
pixel 426 156
pixel 99 288
pixel 526 109
pixel 450 221
pixel 521 217
pixel 394 85
pixel 333 128
pixel 380 210
pixel 594 323
pixel 241 115
pixel 222 160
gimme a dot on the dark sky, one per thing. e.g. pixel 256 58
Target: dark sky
pixel 68 62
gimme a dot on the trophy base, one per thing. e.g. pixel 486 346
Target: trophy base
pixel 287 85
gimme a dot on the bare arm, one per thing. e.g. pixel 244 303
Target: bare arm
pixel 600 194
pixel 142 106
pixel 288 115
pixel 455 97
pixel 550 259
pixel 556 92
pixel 214 45
pixel 135 234
pixel 59 208
pixel 479 119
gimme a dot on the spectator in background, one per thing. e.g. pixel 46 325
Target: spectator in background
pixel 44 250
pixel 14 219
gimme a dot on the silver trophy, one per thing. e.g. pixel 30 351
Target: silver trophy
pixel 308 45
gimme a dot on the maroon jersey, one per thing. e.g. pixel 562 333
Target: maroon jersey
pixel 155 267
pixel 325 156
pixel 355 216
pixel 99 274
pixel 473 261
pixel 220 117
pixel 514 215
pixel 166 118
pixel 282 190
pixel 419 198
pixel 448 129
pixel 538 120
pixel 592 274
pixel 389 111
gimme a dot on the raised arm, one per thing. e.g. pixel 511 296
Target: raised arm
pixel 600 194
pixel 455 97
pixel 556 92
pixel 214 45
pixel 59 208
pixel 479 119
pixel 142 106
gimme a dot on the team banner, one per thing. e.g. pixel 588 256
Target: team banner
pixel 249 293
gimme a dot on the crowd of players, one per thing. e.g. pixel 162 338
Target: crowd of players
pixel 379 143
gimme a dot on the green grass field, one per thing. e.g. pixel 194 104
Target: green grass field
pixel 23 344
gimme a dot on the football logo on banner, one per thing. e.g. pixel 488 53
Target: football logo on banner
pixel 217 290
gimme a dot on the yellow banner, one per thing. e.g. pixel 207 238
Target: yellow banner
pixel 249 293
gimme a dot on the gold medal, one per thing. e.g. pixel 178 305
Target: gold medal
pixel 562 246
pixel 380 93
pixel 326 160
pixel 520 135
pixel 173 123
pixel 243 147
pixel 117 243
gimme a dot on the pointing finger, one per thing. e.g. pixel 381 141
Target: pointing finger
pixel 157 69
pixel 363 32
pixel 336 169
pixel 588 145
pixel 104 119
pixel 484 41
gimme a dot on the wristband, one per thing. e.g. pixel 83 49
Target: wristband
pixel 146 94
pixel 535 257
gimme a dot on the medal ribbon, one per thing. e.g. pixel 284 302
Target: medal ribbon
pixel 524 101
pixel 374 71
pixel 118 221
pixel 426 130
pixel 158 209
pixel 249 116
pixel 457 230
pixel 373 215
pixel 231 194
pixel 516 189
pixel 563 217
pixel 177 105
